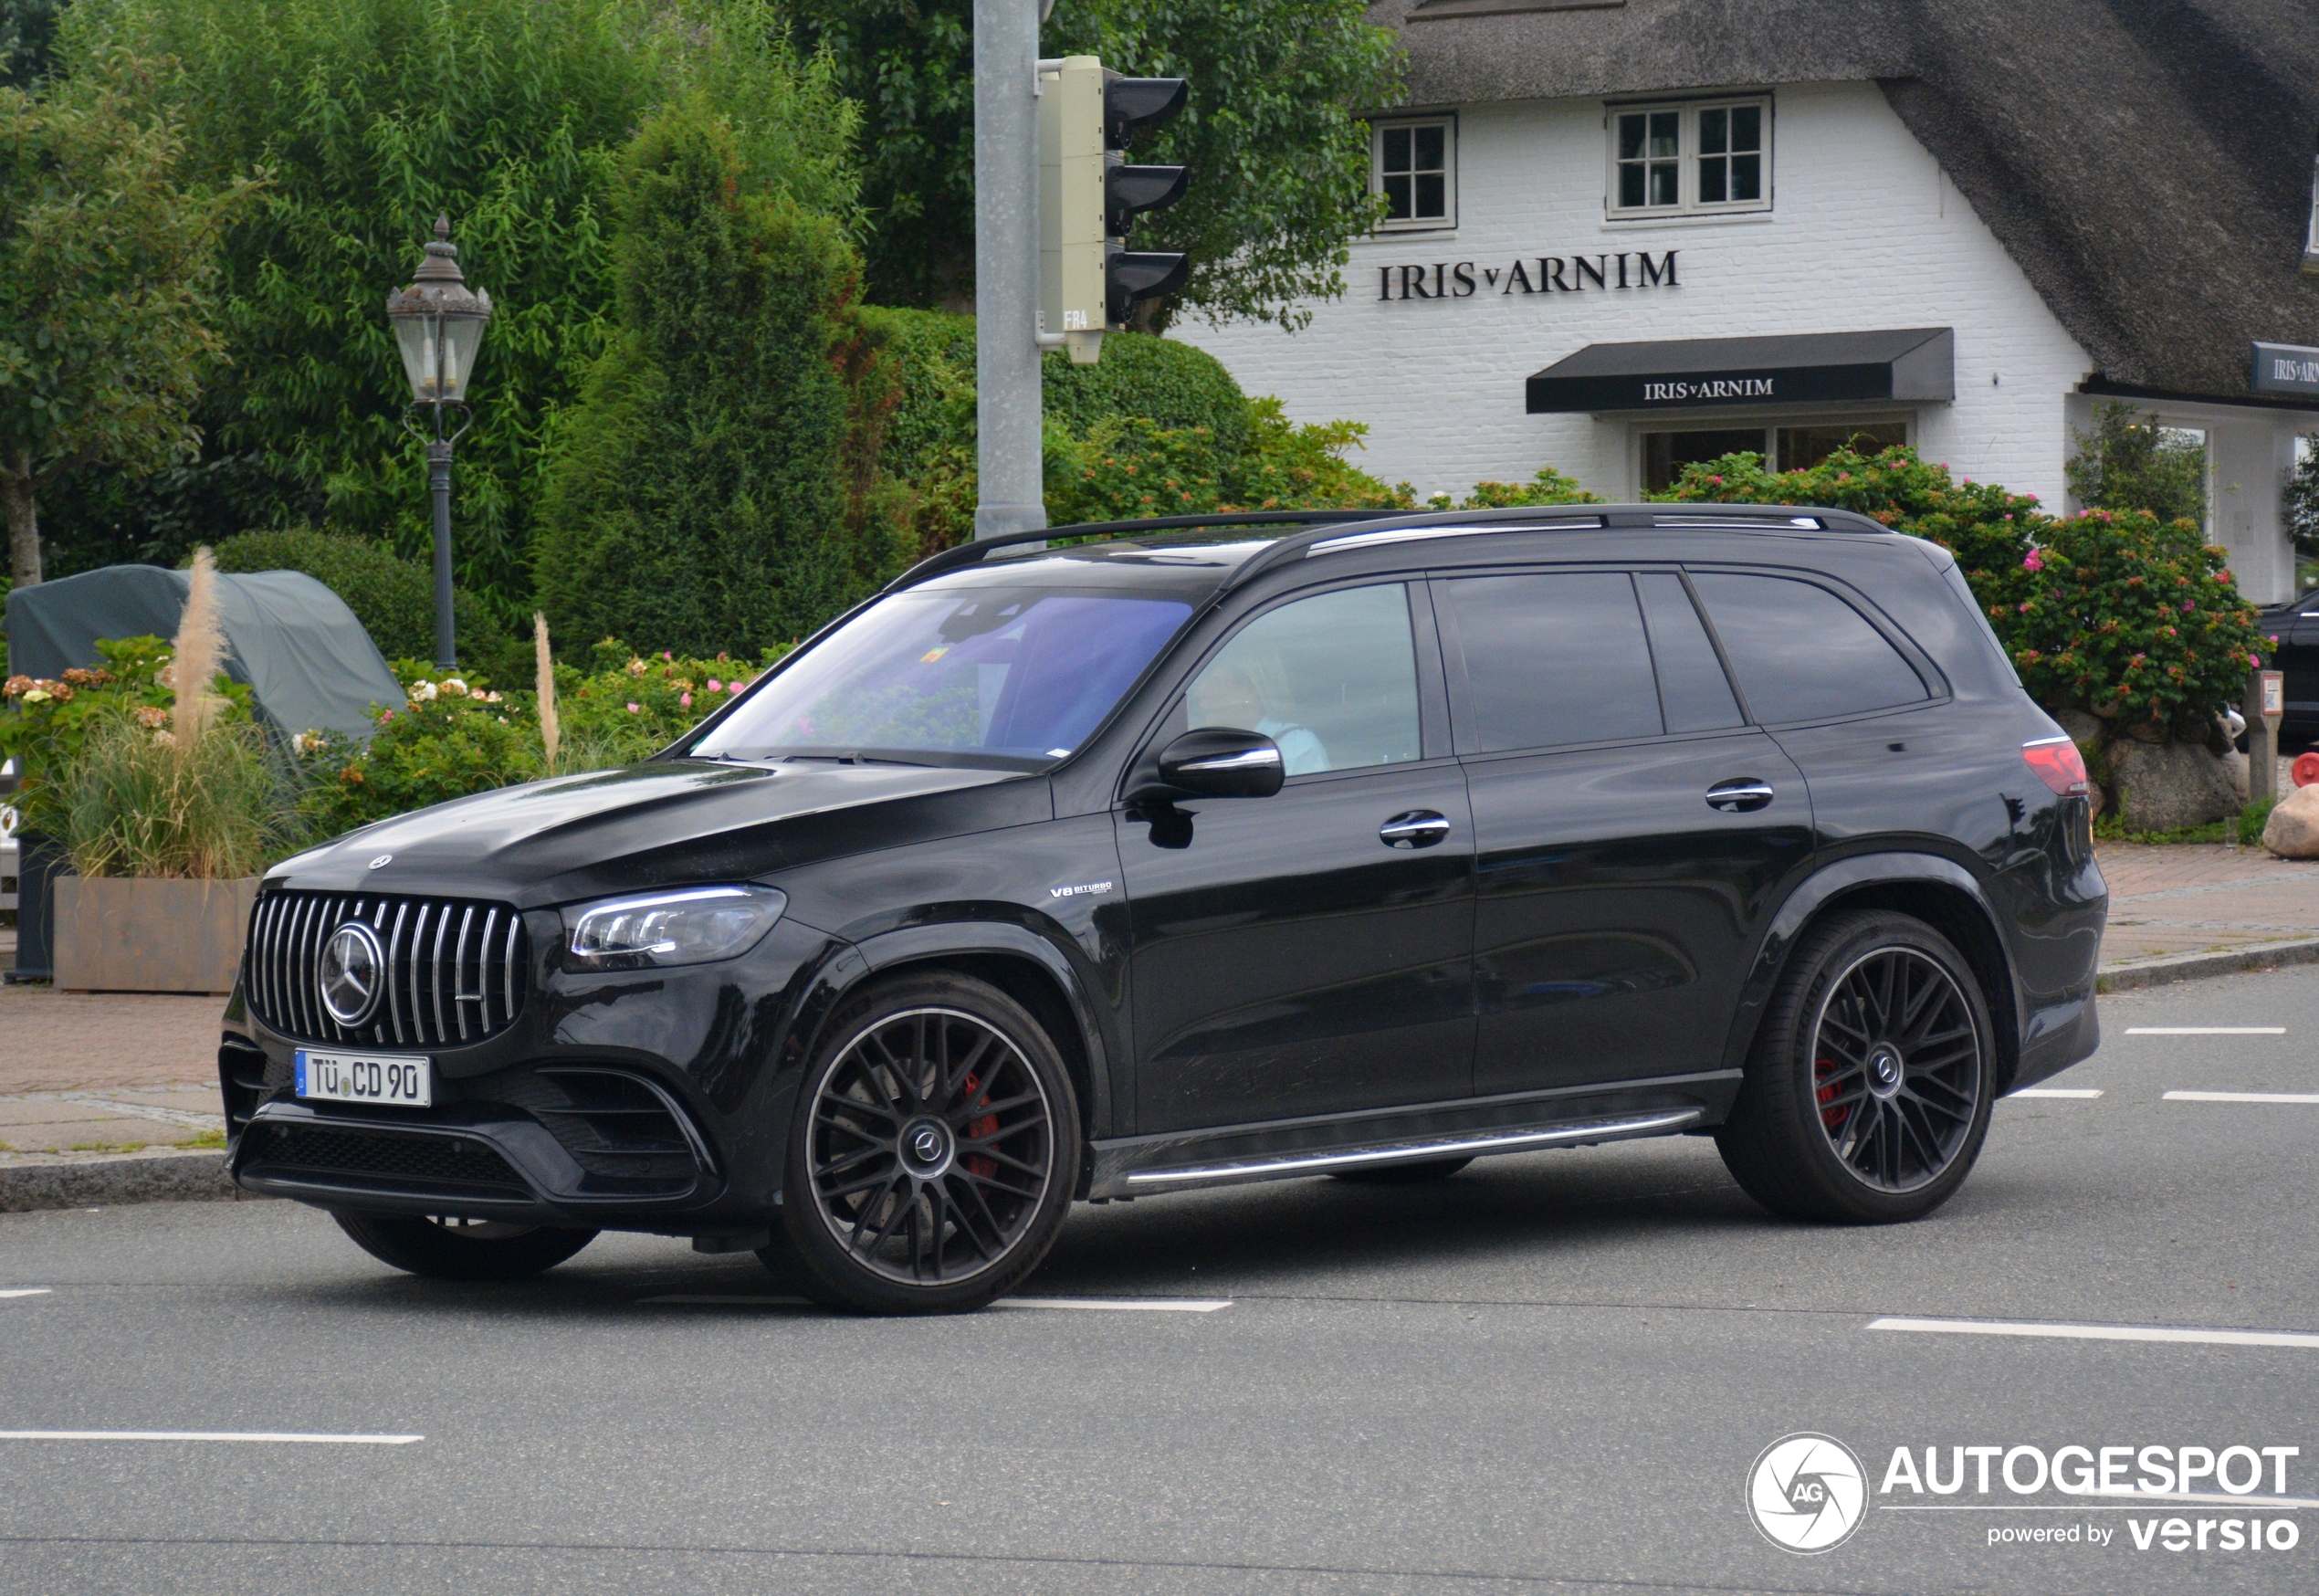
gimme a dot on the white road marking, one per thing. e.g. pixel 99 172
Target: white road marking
pixel 2206 1030
pixel 1095 1304
pixel 26 1291
pixel 275 1436
pixel 2242 1096
pixel 1118 1304
pixel 2056 1092
pixel 2101 1332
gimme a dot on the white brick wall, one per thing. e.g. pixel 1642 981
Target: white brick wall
pixel 1865 234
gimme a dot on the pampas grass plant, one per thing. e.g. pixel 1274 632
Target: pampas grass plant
pixel 551 731
pixel 201 798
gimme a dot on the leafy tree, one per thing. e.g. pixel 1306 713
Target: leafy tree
pixel 105 261
pixel 1279 157
pixel 2129 462
pixel 373 115
pixel 696 499
pixel 27 28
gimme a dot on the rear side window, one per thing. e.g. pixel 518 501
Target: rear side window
pixel 1545 661
pixel 1693 691
pixel 1801 653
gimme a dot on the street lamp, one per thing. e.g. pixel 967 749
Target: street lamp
pixel 439 323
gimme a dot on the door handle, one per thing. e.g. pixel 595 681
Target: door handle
pixel 1741 796
pixel 1418 828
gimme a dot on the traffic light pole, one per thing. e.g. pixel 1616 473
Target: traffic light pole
pixel 1011 483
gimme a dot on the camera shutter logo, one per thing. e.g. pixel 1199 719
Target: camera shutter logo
pixel 1806 1493
pixel 354 974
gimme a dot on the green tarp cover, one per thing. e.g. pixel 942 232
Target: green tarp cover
pixel 307 661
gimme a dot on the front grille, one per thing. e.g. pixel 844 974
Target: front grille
pixel 455 967
pixel 438 1160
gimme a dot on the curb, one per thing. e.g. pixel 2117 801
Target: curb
pixel 2177 967
pixel 104 1182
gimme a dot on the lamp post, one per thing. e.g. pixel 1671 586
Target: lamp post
pixel 438 324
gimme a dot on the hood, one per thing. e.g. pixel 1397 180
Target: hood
pixel 663 823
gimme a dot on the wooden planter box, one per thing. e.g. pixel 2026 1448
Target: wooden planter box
pixel 154 935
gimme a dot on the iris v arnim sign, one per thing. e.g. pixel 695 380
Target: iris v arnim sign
pixel 1532 274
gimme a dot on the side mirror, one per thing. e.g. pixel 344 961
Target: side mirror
pixel 1219 762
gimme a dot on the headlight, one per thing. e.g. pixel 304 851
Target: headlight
pixel 694 927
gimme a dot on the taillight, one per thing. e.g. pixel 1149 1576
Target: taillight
pixel 2059 765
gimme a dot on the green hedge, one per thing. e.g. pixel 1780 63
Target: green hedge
pixel 1170 385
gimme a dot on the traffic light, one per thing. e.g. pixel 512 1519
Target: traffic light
pixel 1089 196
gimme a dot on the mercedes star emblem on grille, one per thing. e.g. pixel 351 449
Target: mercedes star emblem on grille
pixel 354 974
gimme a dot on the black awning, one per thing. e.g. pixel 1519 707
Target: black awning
pixel 1912 364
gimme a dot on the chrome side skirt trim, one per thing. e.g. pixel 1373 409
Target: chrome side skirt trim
pixel 1512 1141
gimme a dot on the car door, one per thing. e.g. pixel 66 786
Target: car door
pixel 1631 828
pixel 1310 952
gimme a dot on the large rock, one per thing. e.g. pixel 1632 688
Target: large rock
pixel 2293 830
pixel 2167 786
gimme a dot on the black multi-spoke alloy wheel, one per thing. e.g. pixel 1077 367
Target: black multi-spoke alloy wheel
pixel 444 1249
pixel 1419 1172
pixel 1868 1091
pixel 934 1149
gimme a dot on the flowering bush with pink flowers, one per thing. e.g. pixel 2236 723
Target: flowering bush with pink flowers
pixel 2136 620
pixel 458 735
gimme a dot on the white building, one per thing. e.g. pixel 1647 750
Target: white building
pixel 2016 208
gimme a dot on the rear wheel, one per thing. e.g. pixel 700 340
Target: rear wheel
pixel 934 1151
pixel 445 1248
pixel 1868 1093
pixel 1423 1173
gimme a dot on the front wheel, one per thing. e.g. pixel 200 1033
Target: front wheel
pixel 934 1150
pixel 444 1249
pixel 1868 1092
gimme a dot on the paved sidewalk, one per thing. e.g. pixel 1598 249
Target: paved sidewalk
pixel 101 1074
pixel 2200 897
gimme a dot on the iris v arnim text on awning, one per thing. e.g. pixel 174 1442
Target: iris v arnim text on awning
pixel 1905 365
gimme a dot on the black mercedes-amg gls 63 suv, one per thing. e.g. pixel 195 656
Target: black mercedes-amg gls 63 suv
pixel 1184 856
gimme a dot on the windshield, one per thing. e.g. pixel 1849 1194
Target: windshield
pixel 1014 672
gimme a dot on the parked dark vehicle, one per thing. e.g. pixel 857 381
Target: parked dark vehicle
pixel 2295 652
pixel 1185 857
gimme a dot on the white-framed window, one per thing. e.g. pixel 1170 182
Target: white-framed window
pixel 1702 157
pixel 1413 164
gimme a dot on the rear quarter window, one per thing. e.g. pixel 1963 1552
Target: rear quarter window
pixel 1801 653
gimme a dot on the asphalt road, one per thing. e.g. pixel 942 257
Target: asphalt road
pixel 1555 1371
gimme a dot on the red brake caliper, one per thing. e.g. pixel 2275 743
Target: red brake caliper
pixel 977 1163
pixel 1832 1118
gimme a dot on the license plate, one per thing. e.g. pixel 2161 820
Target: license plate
pixel 346 1078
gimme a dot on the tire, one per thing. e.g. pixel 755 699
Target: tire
pixel 448 1250
pixel 934 1150
pixel 1424 1173
pixel 1869 1088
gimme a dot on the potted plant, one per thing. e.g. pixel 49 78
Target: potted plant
pixel 168 814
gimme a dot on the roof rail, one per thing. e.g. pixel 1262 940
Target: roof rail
pixel 981 549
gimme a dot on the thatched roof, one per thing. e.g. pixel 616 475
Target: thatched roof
pixel 2149 162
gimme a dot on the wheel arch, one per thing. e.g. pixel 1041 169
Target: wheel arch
pixel 1026 966
pixel 1926 887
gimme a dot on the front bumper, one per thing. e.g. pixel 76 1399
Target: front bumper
pixel 653 1101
